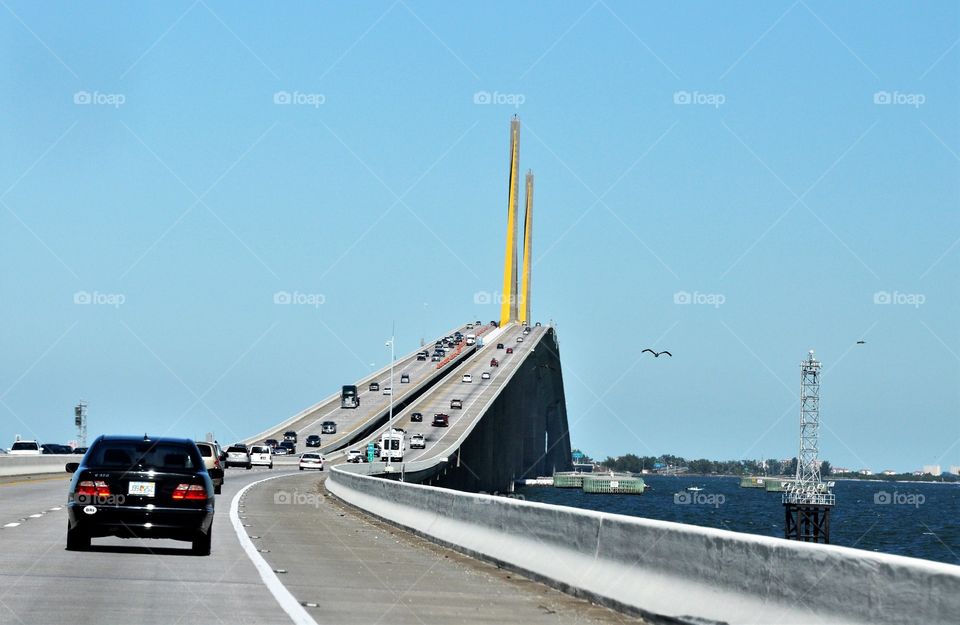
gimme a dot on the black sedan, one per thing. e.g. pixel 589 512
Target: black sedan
pixel 133 487
pixel 313 440
pixel 416 417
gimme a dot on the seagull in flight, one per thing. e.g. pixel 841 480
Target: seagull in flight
pixel 861 342
pixel 657 354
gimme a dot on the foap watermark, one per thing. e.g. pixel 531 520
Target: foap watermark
pixel 703 299
pixel 916 100
pixel 511 99
pixel 296 97
pixel 296 498
pixel 488 297
pixel 715 100
pixel 116 100
pixel 297 298
pixel 684 498
pixel 902 299
pixel 496 493
pixel 884 498
pixel 100 500
pixel 96 298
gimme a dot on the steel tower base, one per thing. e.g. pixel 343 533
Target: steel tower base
pixel 807 522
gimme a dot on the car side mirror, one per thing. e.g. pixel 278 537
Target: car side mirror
pixel 215 474
pixel 72 467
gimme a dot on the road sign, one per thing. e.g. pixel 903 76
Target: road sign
pixel 370 451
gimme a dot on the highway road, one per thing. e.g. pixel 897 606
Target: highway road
pixel 474 395
pixel 347 567
pixel 372 403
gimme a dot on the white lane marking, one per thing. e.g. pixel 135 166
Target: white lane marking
pixel 287 601
pixel 11 524
pixel 36 516
pixel 55 509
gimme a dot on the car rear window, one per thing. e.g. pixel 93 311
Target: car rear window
pixel 160 456
pixel 205 450
pixel 21 446
pixel 260 450
pixel 242 450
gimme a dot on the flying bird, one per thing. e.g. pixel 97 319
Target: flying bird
pixel 861 342
pixel 657 354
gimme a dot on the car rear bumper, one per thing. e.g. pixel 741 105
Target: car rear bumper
pixel 140 522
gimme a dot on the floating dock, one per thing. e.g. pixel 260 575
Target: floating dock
pixel 613 484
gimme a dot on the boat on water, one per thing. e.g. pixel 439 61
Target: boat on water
pixel 694 489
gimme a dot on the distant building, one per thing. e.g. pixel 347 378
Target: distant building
pixel 955 470
pixel 866 472
pixel 931 469
pixel 841 470
pixel 889 472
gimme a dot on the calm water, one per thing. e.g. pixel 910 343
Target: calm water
pixel 920 520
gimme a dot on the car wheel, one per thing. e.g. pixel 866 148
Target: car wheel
pixel 301 468
pixel 249 466
pixel 77 539
pixel 217 489
pixel 202 542
pixel 271 466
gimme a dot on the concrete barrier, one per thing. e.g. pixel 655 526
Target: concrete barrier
pixel 34 465
pixel 664 570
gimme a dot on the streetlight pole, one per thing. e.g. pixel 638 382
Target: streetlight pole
pixel 389 440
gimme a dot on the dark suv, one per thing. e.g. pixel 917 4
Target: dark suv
pixel 133 487
pixel 313 441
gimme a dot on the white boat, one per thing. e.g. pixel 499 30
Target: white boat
pixel 694 489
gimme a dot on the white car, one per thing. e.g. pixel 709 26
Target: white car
pixel 261 455
pixel 355 455
pixel 388 390
pixel 311 460
pixel 417 442
pixel 25 448
pixel 467 378
pixel 485 375
pixel 519 339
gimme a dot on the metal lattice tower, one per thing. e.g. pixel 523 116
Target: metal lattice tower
pixel 807 488
pixel 80 420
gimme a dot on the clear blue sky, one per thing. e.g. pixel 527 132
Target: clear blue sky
pixel 785 164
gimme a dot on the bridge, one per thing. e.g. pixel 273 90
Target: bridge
pixel 421 539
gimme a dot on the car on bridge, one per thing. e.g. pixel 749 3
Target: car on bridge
pixel 262 456
pixel 211 460
pixel 311 460
pixel 422 356
pixel 519 339
pixel 356 456
pixel 416 417
pixel 405 378
pixel 456 404
pixel 509 350
pixel 467 378
pixel 418 442
pixel 485 375
pixel 494 362
pixel 25 448
pixel 374 386
pixel 280 450
pixel 290 446
pixel 133 487
pixel 313 441
pixel 436 358
pixel 499 345
pixel 272 443
pixel 469 326
pixel 388 390
pixel 290 435
pixel 238 456
pixel 328 427
pixel 441 420
pixel 537 324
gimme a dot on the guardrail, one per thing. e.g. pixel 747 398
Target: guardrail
pixel 660 569
pixel 35 465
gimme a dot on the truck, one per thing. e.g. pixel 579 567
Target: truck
pixel 349 397
pixel 471 339
pixel 392 446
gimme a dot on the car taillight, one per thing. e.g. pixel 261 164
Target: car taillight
pixel 216 463
pixel 190 491
pixel 96 488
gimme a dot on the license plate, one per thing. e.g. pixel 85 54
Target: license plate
pixel 142 489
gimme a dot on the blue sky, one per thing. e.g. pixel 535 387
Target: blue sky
pixel 789 169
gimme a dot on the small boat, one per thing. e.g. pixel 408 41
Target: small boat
pixel 694 489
